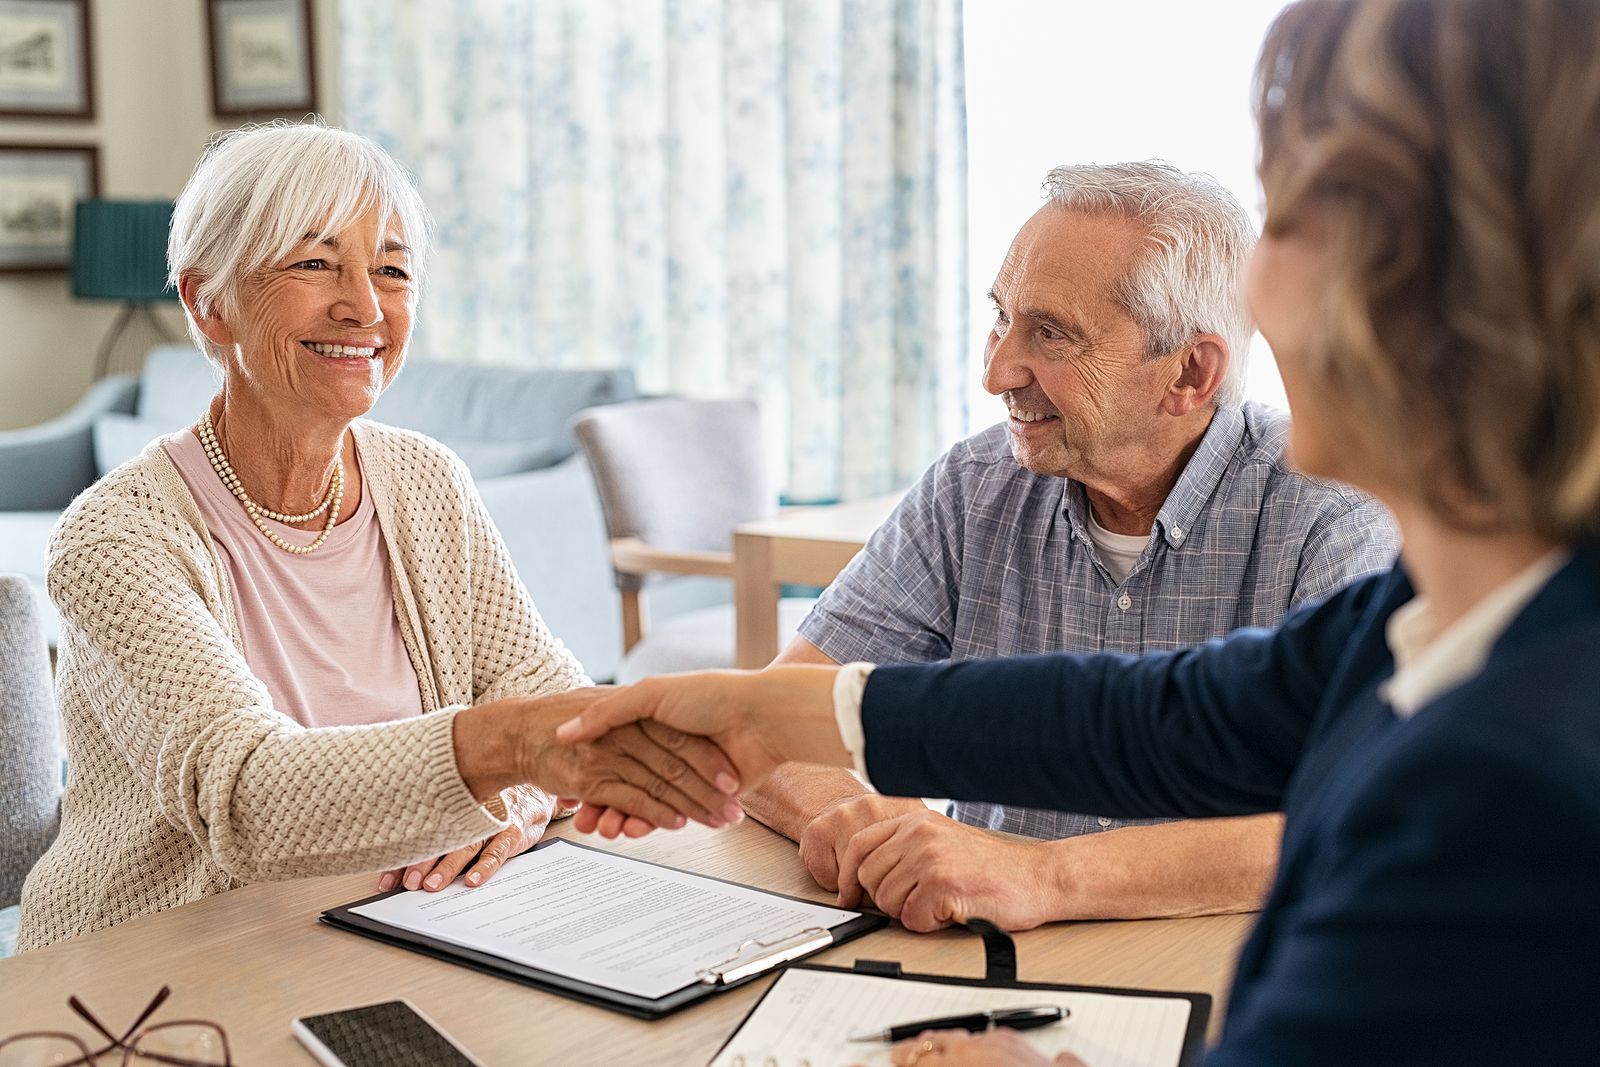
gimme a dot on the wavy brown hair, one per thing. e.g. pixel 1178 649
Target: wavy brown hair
pixel 1452 149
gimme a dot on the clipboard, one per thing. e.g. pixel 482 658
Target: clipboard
pixel 1000 972
pixel 753 960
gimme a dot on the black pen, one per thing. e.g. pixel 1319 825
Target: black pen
pixel 1010 1018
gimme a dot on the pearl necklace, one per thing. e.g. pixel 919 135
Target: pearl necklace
pixel 259 514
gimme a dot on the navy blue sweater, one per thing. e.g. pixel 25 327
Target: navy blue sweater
pixel 1438 896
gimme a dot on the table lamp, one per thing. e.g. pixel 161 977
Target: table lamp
pixel 119 252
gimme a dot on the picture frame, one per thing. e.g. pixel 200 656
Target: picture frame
pixel 46 59
pixel 40 186
pixel 263 60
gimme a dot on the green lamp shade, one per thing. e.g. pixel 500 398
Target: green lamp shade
pixel 119 250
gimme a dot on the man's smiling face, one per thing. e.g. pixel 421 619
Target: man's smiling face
pixel 1065 354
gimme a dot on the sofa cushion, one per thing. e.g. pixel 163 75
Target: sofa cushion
pixel 456 402
pixel 550 520
pixel 495 459
pixel 23 536
pixel 176 384
pixel 119 438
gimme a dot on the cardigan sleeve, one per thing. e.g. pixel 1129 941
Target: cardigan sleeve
pixel 151 663
pixel 1211 730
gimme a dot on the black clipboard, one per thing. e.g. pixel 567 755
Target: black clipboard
pixel 1000 971
pixel 754 960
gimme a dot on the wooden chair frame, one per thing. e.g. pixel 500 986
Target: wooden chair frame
pixel 629 555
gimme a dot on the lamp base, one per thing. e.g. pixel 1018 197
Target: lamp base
pixel 130 309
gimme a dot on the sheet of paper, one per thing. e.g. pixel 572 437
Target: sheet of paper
pixel 807 1017
pixel 602 918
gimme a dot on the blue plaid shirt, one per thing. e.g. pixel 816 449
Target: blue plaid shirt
pixel 986 558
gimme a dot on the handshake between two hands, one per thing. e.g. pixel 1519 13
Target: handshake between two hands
pixel 681 747
pixel 648 756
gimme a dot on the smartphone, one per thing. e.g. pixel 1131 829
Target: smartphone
pixel 391 1034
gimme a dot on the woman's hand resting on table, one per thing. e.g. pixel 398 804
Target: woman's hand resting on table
pixel 529 811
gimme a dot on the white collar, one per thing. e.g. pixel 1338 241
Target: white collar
pixel 1429 662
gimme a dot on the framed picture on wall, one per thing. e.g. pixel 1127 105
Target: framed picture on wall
pixel 261 56
pixel 40 186
pixel 45 67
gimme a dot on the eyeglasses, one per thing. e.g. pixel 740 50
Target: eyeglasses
pixel 180 1043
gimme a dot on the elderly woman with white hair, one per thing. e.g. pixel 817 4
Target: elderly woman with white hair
pixel 293 642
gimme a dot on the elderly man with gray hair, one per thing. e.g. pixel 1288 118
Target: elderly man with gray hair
pixel 1131 501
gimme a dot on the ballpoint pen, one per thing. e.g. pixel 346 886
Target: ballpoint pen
pixel 1010 1018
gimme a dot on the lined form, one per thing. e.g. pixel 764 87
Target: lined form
pixel 807 1016
pixel 602 918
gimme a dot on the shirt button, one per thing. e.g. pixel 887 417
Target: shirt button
pixel 1104 822
pixel 1177 533
pixel 1124 601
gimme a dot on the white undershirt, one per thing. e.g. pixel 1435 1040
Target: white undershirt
pixel 1119 552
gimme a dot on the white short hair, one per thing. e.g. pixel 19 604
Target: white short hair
pixel 1192 278
pixel 259 190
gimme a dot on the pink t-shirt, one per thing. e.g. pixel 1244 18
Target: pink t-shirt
pixel 320 629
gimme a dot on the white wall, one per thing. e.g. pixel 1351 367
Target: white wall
pixel 152 118
pixel 1081 82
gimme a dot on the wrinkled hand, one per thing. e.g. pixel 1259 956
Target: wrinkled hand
pixel 527 809
pixel 758 719
pixel 827 835
pixel 649 773
pixel 929 871
pixel 611 822
pixel 957 1048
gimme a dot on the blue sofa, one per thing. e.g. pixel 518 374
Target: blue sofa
pixel 508 425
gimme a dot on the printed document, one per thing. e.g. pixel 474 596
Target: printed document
pixel 807 1017
pixel 604 919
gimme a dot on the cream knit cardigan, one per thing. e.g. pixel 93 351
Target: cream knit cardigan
pixel 183 779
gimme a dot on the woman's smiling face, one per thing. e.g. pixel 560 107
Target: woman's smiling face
pixel 323 330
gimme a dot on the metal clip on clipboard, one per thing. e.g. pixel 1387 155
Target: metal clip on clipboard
pixel 754 957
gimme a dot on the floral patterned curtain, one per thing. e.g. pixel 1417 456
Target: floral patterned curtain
pixel 733 197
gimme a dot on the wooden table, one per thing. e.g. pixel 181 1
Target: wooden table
pixel 801 546
pixel 254 958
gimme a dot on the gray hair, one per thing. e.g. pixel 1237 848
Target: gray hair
pixel 1192 279
pixel 258 191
